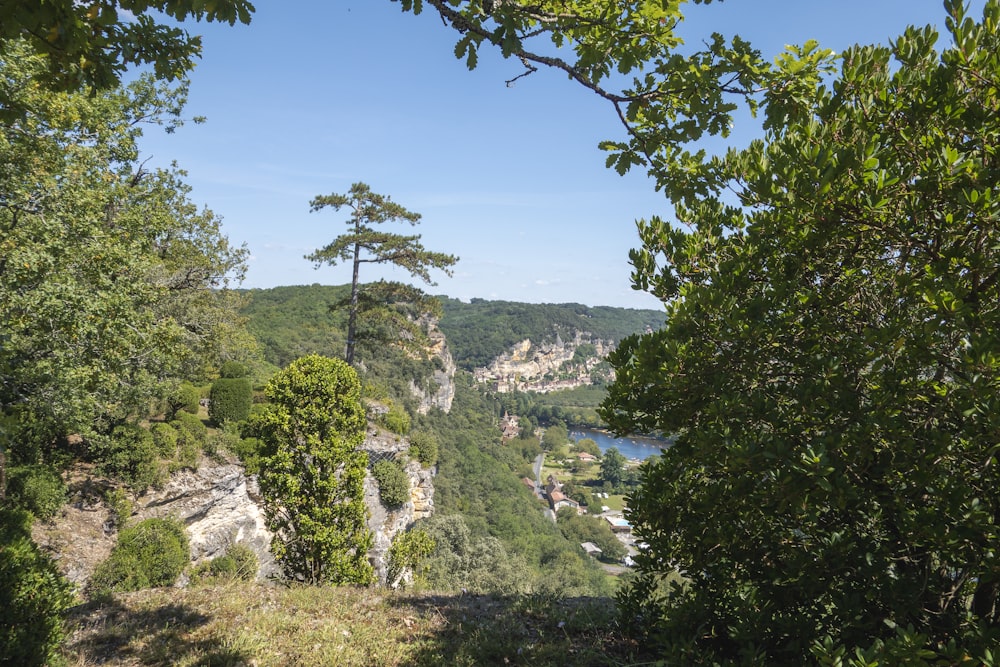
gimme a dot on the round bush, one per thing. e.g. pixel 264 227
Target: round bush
pixel 192 434
pixel 152 553
pixel 184 399
pixel 37 489
pixel 230 400
pixel 393 483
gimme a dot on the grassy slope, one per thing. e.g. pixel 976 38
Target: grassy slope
pixel 254 624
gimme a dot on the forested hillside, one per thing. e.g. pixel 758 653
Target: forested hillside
pixel 482 330
pixel 295 320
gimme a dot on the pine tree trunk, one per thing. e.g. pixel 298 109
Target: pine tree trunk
pixel 352 320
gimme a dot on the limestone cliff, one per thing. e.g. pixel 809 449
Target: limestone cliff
pixel 218 504
pixel 546 367
pixel 441 391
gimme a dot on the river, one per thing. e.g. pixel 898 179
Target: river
pixel 633 447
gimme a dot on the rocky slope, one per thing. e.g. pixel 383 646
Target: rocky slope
pixel 220 506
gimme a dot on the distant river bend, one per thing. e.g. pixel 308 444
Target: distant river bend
pixel 634 447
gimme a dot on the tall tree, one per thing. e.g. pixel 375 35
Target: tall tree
pixel 110 278
pixel 312 473
pixel 364 244
pixel 830 363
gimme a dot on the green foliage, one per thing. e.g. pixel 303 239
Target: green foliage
pixel 613 467
pixel 555 437
pixel 393 484
pixel 461 560
pixel 120 505
pixel 111 280
pixel 150 554
pixel 192 434
pixel 406 252
pixel 311 472
pixel 128 455
pixel 830 365
pixel 588 445
pixel 291 322
pixel 407 552
pixel 38 489
pixel 585 528
pixel 33 595
pixel 234 369
pixel 185 397
pixel 230 400
pixel 165 438
pixel 424 447
pixel 93 45
pixel 396 419
pixel 477 478
pixel 239 563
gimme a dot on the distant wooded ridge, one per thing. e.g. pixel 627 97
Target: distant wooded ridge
pixel 290 321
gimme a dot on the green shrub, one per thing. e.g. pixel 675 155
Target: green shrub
pixel 152 553
pixel 37 489
pixel 33 596
pixel 230 400
pixel 234 369
pixel 239 563
pixel 128 455
pixel 397 420
pixel 120 505
pixel 407 552
pixel 393 483
pixel 190 424
pixel 424 448
pixel 165 438
pixel 248 451
pixel 184 399
pixel 192 434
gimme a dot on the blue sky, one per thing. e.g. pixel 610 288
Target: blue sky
pixel 317 94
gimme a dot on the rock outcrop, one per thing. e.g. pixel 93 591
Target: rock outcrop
pixel 442 393
pixel 387 524
pixel 219 505
pixel 384 523
pixel 546 367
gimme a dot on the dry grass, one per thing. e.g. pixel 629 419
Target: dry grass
pixel 252 624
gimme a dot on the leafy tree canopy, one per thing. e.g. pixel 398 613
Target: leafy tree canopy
pixel 91 44
pixel 830 358
pixel 111 280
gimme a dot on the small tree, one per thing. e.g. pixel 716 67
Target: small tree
pixel 613 467
pixel 364 244
pixel 312 473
